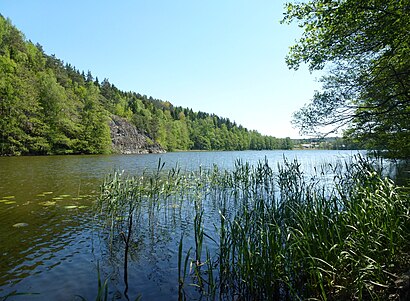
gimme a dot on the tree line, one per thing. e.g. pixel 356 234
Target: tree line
pixel 328 143
pixel 49 107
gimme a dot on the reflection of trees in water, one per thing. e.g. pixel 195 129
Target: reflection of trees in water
pixel 397 170
pixel 402 174
pixel 155 212
pixel 142 227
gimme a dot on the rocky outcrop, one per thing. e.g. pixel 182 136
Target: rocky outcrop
pixel 127 139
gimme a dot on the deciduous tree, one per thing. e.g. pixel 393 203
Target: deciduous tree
pixel 365 47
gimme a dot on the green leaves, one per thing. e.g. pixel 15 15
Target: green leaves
pixel 47 107
pixel 365 49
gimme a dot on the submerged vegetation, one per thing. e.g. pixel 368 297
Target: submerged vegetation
pixel 255 233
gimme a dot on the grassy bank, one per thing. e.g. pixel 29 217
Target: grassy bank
pixel 340 234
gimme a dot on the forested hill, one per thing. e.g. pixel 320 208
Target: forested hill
pixel 50 107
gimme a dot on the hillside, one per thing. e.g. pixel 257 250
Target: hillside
pixel 50 107
pixel 128 139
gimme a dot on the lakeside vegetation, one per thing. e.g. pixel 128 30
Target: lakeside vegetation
pixel 364 50
pixel 255 233
pixel 329 143
pixel 49 107
pixel 259 234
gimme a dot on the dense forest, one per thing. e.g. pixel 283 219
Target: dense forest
pixel 50 107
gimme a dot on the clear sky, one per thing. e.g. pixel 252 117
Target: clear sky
pixel 218 56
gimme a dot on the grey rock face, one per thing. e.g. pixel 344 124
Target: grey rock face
pixel 127 139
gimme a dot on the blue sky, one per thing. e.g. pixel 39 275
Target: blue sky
pixel 219 56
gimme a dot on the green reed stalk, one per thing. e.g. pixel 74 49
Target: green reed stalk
pixel 182 270
pixel 281 236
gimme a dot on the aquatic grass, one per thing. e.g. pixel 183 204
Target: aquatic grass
pixel 103 289
pixel 15 293
pixel 182 269
pixel 309 243
pixel 342 233
pixel 125 201
pixel 102 293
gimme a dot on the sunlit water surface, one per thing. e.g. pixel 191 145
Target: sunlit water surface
pixel 50 245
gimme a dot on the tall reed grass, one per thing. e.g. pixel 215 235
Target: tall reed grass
pixel 341 234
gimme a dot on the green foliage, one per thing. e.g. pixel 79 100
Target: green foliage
pixel 48 107
pixel 342 233
pixel 366 49
pixel 333 143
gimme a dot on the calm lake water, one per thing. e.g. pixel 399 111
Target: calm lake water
pixel 50 244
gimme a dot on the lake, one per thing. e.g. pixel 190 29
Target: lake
pixel 51 246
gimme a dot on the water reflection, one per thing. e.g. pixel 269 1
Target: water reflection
pixel 56 253
pixel 43 244
pixel 399 171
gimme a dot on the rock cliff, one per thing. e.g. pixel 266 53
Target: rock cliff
pixel 127 139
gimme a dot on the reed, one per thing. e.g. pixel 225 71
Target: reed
pixel 343 233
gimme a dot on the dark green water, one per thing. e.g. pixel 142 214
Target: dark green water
pixel 50 244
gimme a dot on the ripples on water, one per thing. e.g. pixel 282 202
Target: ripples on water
pixel 44 255
pixel 56 254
